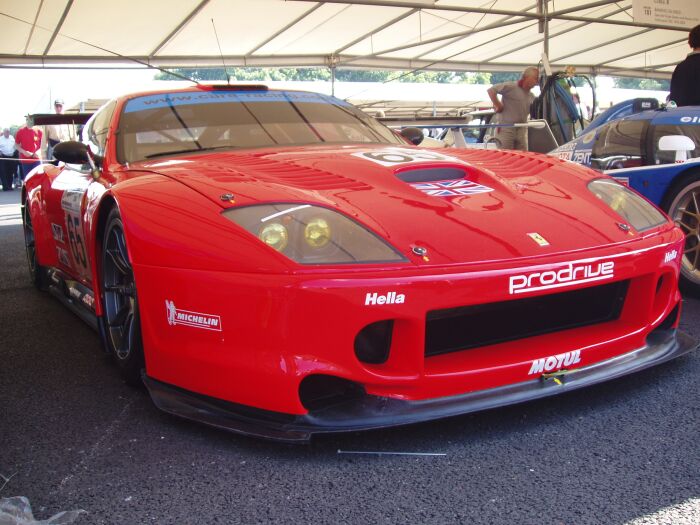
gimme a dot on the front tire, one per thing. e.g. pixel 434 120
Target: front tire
pixel 683 206
pixel 122 325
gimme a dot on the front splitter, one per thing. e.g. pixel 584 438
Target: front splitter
pixel 371 412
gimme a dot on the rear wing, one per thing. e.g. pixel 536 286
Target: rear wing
pixel 48 119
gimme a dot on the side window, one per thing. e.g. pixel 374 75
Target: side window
pixel 619 145
pixel 669 157
pixel 97 128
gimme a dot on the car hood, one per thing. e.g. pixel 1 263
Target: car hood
pixel 465 206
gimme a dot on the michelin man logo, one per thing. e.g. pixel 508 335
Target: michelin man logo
pixel 170 308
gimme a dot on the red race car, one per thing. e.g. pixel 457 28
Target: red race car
pixel 279 264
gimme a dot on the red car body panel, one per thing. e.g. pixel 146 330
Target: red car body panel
pixel 275 322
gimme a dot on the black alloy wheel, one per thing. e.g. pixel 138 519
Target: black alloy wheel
pixel 37 273
pixel 683 205
pixel 120 304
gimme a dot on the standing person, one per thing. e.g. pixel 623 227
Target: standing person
pixel 514 108
pixel 56 133
pixel 28 143
pixel 8 165
pixel 685 82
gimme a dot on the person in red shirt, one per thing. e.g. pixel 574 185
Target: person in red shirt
pixel 28 144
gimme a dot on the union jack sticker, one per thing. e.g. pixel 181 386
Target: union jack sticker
pixel 451 188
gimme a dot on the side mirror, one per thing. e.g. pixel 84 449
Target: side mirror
pixel 71 152
pixel 413 135
pixel 678 143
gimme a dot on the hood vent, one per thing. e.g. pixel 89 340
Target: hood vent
pixel 510 163
pixel 431 174
pixel 294 175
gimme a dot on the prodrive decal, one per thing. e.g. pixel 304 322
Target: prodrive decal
pixel 194 319
pixel 574 273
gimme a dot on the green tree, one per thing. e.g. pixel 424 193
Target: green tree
pixel 258 74
pixel 641 83
pixel 505 76
pixel 365 75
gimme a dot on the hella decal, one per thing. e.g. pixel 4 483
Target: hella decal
pixel 573 274
pixel 194 319
pixel 670 256
pixel 555 362
pixel 390 298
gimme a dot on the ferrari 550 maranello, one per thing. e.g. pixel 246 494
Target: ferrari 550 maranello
pixel 279 264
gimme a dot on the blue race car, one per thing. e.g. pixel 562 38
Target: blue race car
pixel 656 153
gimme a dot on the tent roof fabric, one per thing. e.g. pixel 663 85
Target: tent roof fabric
pixel 458 35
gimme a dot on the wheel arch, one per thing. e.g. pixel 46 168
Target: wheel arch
pixel 690 271
pixel 106 205
pixel 679 181
pixel 32 202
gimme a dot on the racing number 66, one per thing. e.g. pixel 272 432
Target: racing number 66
pixel 77 247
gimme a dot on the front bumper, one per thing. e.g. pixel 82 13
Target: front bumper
pixel 370 412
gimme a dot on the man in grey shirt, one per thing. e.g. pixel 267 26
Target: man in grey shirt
pixel 514 108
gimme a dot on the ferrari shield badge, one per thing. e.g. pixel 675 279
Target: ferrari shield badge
pixel 538 239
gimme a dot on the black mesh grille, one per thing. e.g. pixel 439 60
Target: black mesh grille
pixel 486 324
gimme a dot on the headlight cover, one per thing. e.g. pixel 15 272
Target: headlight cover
pixel 627 204
pixel 310 234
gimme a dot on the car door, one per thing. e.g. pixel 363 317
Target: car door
pixel 67 199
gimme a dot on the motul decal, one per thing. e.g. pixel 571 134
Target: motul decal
pixel 194 319
pixel 555 362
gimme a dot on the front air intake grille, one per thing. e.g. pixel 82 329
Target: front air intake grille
pixel 473 326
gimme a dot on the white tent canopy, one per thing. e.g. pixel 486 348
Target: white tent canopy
pixel 460 35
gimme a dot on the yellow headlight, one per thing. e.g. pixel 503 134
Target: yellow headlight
pixel 274 235
pixel 317 233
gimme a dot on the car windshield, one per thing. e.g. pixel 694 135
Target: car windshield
pixel 163 124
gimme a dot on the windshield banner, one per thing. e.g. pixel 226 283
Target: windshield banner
pixel 187 98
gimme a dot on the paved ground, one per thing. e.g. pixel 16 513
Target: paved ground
pixel 74 436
